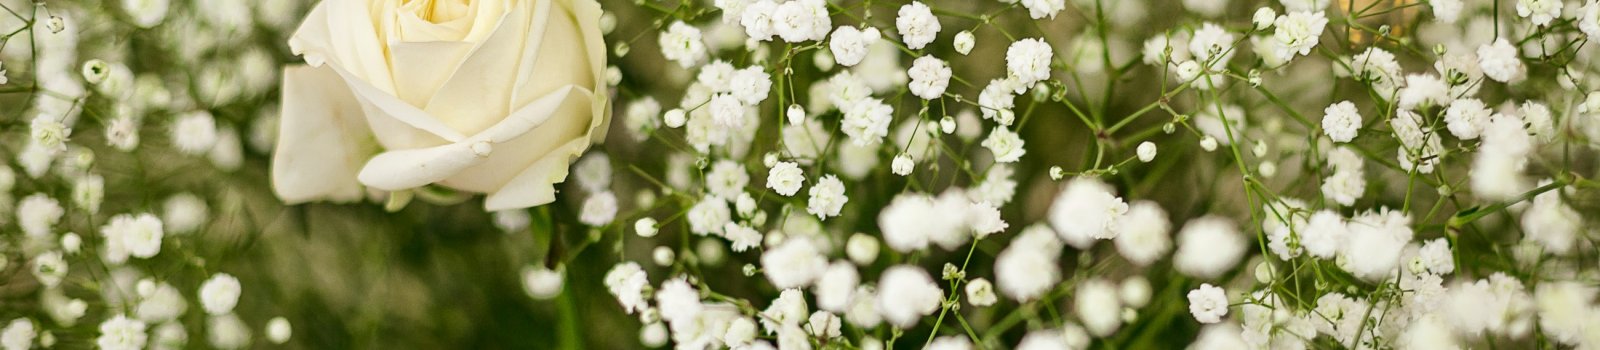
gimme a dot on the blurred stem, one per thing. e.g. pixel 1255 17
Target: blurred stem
pixel 567 326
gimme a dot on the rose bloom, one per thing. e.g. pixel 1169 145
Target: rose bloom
pixel 493 97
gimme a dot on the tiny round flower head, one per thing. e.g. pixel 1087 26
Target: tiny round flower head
pixel 121 333
pixel 867 122
pixel 18 335
pixel 708 216
pixel 827 197
pixel 798 21
pixel 929 77
pixel 1208 246
pixel 682 43
pixel 1087 209
pixel 727 179
pixel 1045 339
pixel 146 13
pixel 1263 18
pixel 902 165
pixel 795 114
pixel 627 281
pixel 645 227
pixel 1146 151
pixel 1341 121
pixel 1500 60
pixel 194 132
pixel 1041 9
pixel 133 235
pixel 219 294
pixel 785 178
pixel 727 111
pixel 1299 32
pixel 1006 146
pixel 1208 303
pixel 1145 233
pixel 823 325
pixel 674 118
pixel 835 287
pixel 37 214
pixel 541 283
pixel 751 85
pixel 980 293
pixel 1540 12
pixel 849 45
pixel 599 209
pixel 653 335
pixel 917 24
pixel 49 132
pixel 227 332
pixel 906 294
pixel 678 300
pixel 1135 291
pixel 862 249
pixel 71 243
pixel 1466 118
pixel 1208 143
pixel 1027 268
pixel 1447 11
pixel 793 264
pixel 950 342
pixel 1589 20
pixel 1028 60
pixel 278 330
pixel 184 213
pixel 964 42
pixel 1099 306
pixel 49 268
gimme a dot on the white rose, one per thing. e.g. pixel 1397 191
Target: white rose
pixel 493 97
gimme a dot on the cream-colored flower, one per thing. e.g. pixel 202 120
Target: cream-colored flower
pixel 494 97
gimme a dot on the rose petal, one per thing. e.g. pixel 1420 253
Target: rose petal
pixel 321 141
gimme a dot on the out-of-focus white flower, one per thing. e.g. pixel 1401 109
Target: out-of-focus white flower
pixel 906 294
pixel 929 77
pixel 227 332
pixel 793 264
pixel 1208 303
pixel 751 85
pixel 917 24
pixel 219 294
pixel 1028 60
pixel 542 283
pixel 912 221
pixel 1099 307
pixel 1553 224
pixel 18 335
pixel 1087 209
pixel 1446 11
pixel 1540 12
pixel 1263 18
pixel 827 197
pixel 49 268
pixel 1027 268
pixel 1044 339
pixel 132 235
pixel 801 20
pixel 184 213
pixel 121 333
pixel 1144 233
pixel 1208 246
pixel 1377 67
pixel 38 214
pixel 1500 61
pixel 146 13
pixel 836 286
pixel 950 342
pixel 278 330
pixel 682 43
pixel 194 132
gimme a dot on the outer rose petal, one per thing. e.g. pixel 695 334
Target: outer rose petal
pixel 321 143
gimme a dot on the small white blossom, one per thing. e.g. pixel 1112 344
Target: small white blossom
pixel 917 24
pixel 1040 9
pixel 1007 146
pixel 1341 121
pixel 219 294
pixel 1028 60
pixel 682 43
pixel 1540 12
pixel 1208 303
pixel 867 122
pixel 964 42
pixel 907 294
pixel 827 197
pixel 1500 61
pixel 121 333
pixel 849 45
pixel 195 132
pixel 929 77
pixel 1146 151
pixel 785 178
